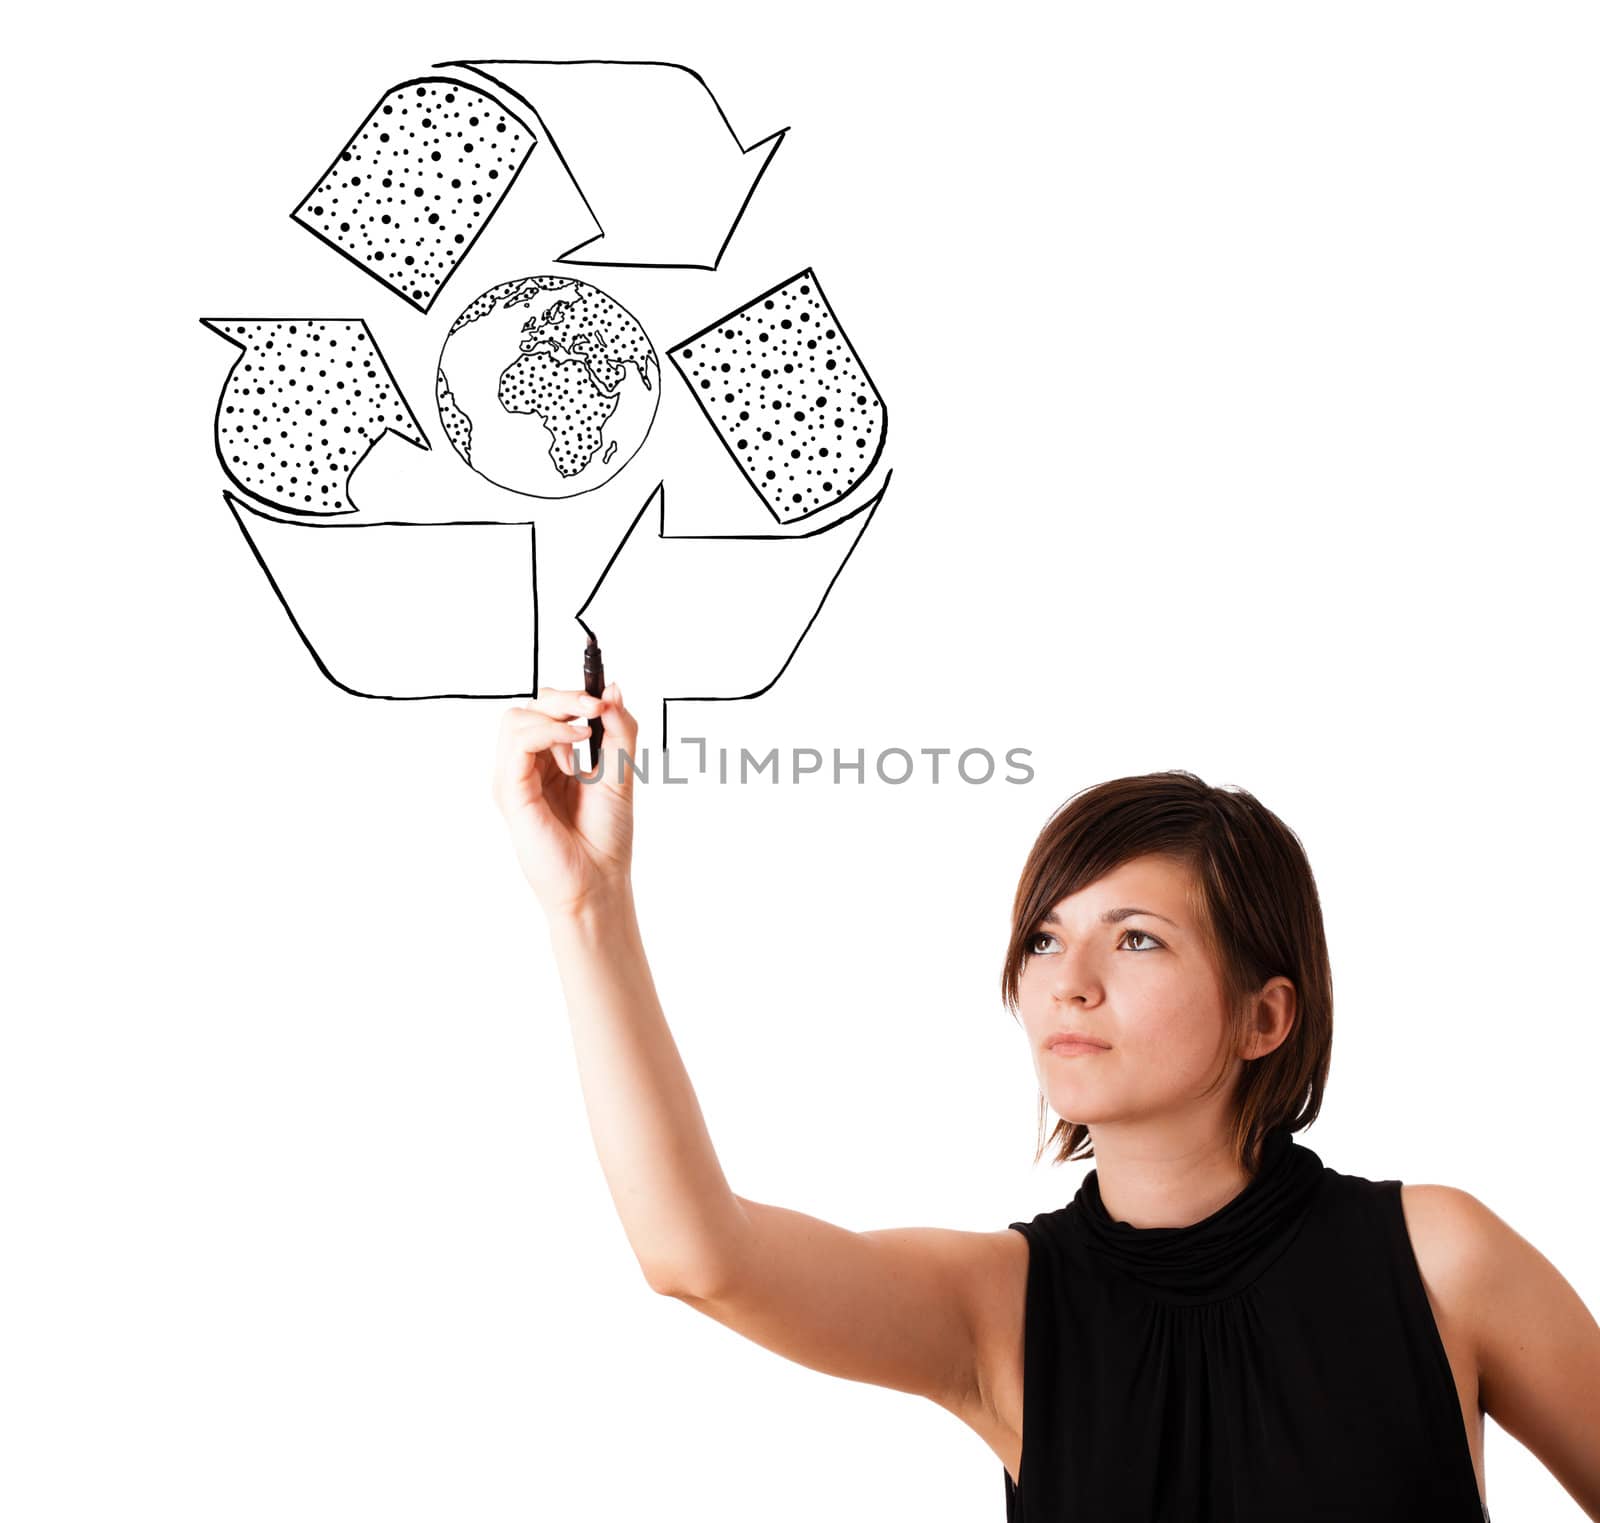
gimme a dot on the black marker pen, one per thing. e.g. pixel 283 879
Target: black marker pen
pixel 594 684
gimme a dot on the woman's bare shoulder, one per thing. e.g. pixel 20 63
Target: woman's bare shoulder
pixel 1534 1343
pixel 1451 1231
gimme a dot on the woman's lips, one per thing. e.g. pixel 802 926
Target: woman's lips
pixel 1075 1047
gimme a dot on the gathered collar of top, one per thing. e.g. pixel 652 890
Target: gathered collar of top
pixel 1222 1253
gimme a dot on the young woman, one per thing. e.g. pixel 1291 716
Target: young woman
pixel 1218 1326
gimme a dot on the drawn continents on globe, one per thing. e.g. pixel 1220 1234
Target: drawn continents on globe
pixel 547 385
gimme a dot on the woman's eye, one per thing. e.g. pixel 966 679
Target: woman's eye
pixel 1033 949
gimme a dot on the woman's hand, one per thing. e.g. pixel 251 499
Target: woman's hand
pixel 574 839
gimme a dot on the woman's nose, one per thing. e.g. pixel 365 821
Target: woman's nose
pixel 1074 981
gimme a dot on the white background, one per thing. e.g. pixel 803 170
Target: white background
pixel 1242 373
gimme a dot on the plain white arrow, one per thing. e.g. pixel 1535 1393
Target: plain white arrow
pixel 659 166
pixel 714 617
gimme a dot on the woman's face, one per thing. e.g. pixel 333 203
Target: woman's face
pixel 1123 961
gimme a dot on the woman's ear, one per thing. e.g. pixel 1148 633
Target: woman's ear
pixel 1271 1018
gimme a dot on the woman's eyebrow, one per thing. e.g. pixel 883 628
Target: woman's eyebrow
pixel 1110 917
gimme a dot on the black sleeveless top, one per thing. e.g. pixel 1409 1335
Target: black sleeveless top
pixel 1277 1360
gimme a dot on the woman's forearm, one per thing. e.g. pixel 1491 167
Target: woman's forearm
pixel 679 1214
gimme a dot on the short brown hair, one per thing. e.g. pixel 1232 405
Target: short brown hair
pixel 1257 906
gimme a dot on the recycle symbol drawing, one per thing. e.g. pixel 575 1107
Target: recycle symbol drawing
pixel 427 551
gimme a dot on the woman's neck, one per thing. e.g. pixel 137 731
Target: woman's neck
pixel 1154 1179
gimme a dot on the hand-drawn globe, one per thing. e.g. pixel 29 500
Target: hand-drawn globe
pixel 547 386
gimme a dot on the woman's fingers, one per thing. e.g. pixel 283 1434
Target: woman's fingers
pixel 538 732
pixel 555 720
pixel 561 702
pixel 526 732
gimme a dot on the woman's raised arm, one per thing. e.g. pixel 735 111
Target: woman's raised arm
pixel 899 1308
pixel 574 840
